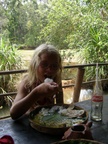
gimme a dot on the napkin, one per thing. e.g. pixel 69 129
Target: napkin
pixel 48 80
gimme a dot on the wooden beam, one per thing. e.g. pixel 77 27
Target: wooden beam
pixel 78 84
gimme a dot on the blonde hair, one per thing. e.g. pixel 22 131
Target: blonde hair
pixel 32 76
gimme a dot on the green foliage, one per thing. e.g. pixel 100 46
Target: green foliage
pixel 96 41
pixel 9 56
pixel 68 24
pixel 9 60
pixel 59 23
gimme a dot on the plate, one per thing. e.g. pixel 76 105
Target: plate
pixel 77 141
pixel 56 119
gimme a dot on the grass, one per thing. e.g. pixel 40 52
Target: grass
pixel 26 53
pixel 26 56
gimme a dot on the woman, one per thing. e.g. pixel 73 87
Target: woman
pixel 32 91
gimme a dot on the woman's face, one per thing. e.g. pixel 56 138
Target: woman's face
pixel 48 66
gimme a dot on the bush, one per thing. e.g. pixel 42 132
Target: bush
pixel 9 60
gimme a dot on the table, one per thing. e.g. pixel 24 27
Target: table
pixel 99 129
pixel 23 133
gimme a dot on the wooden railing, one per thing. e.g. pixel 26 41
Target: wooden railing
pixel 77 85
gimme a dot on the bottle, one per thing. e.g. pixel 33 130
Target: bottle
pixel 97 99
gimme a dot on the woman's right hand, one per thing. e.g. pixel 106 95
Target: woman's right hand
pixel 46 89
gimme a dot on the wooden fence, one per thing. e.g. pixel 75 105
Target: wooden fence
pixel 77 85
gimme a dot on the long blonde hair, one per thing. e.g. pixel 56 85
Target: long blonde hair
pixel 32 76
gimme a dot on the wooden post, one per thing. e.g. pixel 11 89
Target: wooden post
pixel 59 96
pixel 78 84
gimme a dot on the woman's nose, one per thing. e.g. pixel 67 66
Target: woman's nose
pixel 49 68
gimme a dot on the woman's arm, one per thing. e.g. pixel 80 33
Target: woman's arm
pixel 23 101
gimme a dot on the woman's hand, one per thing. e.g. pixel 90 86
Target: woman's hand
pixel 46 89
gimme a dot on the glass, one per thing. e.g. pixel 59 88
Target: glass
pixel 45 65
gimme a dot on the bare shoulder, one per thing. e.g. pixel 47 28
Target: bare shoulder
pixel 23 87
pixel 22 90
